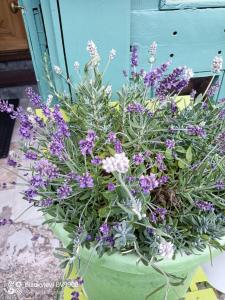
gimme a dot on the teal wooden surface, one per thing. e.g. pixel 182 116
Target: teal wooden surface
pixel 184 4
pixel 221 92
pixel 54 40
pixel 188 37
pixel 145 4
pixel 107 23
pixel 36 39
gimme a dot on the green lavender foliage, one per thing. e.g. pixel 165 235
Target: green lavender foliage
pixel 194 167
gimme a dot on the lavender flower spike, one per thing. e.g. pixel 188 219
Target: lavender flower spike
pixel 118 163
pixel 112 54
pixel 148 182
pixel 204 205
pixel 170 144
pixel 166 249
pixel 134 56
pixel 64 191
pixel 152 52
pixel 217 64
pixel 138 158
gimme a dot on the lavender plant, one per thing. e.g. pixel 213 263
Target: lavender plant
pixel 138 175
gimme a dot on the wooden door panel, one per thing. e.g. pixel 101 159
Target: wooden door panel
pixel 12 33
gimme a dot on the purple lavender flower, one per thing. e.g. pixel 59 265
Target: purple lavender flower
pixel 111 137
pixel 45 168
pixel 72 176
pixel 75 295
pixel 87 145
pixel 192 94
pixel 221 142
pixel 150 231
pixel 148 182
pixel 56 148
pixel 34 98
pixel 31 155
pixel 134 192
pixel 6 222
pixel 196 130
pixel 174 107
pixel 213 89
pixel 62 130
pixel 91 135
pixel 79 281
pixel 37 181
pixel 135 107
pixel 138 158
pixel 130 178
pixel 64 191
pixel 46 110
pixel 62 127
pixel 153 77
pixel 118 147
pixel 204 205
pixel 174 82
pixel 89 237
pixel 109 240
pixel 220 185
pixel 6 107
pixel 104 229
pixel 163 180
pixel 160 162
pixel 85 181
pixel 57 115
pixel 170 144
pixel 222 114
pixel 205 105
pixel 134 56
pixel 46 202
pixel 11 162
pixel 26 127
pixel 96 161
pixel 158 214
pixel 30 194
pixel 39 121
pixel 111 187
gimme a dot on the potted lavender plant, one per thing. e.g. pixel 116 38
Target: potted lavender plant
pixel 135 187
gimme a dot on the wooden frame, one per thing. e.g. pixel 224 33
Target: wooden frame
pixel 185 4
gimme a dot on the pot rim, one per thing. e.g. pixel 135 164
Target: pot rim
pixel 131 258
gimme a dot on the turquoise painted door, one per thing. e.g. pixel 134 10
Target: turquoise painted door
pixel 44 36
pixel 190 32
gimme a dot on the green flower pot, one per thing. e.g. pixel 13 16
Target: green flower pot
pixel 120 277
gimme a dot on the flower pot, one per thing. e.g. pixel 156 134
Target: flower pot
pixel 119 277
pixel 115 277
